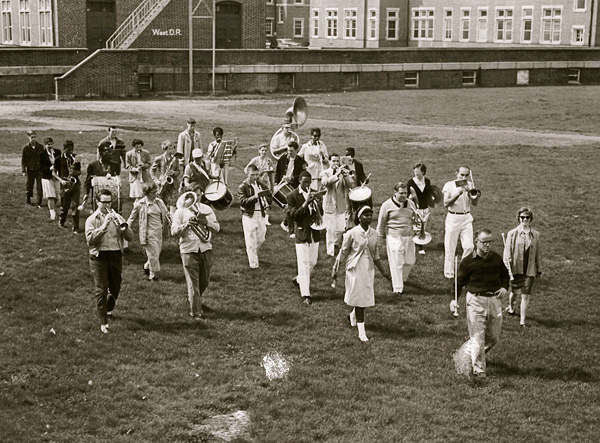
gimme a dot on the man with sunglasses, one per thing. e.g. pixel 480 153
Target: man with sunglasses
pixel 105 234
pixel 486 279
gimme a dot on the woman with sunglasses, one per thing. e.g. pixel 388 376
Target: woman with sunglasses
pixel 522 256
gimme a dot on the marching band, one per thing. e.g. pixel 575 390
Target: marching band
pixel 317 191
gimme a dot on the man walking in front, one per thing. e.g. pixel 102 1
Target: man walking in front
pixel 30 165
pixel 485 277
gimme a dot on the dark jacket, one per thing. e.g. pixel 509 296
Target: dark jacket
pixel 360 173
pixel 117 152
pixel 30 157
pixel 46 164
pixel 302 218
pixel 281 169
pixel 245 192
pixel 421 202
pixel 66 167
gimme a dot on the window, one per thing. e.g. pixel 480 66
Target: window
pixel 578 36
pixel 298 2
pixel 372 32
pixel 447 33
pixel 45 11
pixel 332 23
pixel 465 24
pixel 579 5
pixel 315 23
pixel 551 22
pixel 25 19
pixel 7 31
pixel 280 14
pixel 504 24
pixel 574 76
pixel 411 79
pixel 469 78
pixel 269 2
pixel 526 27
pixel 422 23
pixel 269 27
pixel 298 27
pixel 392 24
pixel 482 24
pixel 349 23
pixel 523 77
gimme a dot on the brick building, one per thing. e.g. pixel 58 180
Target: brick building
pixel 288 19
pixel 142 23
pixel 452 23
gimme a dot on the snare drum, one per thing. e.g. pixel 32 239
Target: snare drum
pixel 281 192
pixel 217 195
pixel 359 197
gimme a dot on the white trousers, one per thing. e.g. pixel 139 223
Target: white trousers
pixel 307 255
pixel 335 225
pixel 401 257
pixel 255 231
pixel 457 226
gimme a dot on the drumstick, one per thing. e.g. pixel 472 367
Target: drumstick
pixel 366 180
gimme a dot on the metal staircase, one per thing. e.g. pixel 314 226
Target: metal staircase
pixel 135 24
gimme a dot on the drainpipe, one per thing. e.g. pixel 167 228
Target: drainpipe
pixel 365 29
pixel 590 39
pixel 276 17
pixel 407 34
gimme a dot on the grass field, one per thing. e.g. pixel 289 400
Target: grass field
pixel 159 377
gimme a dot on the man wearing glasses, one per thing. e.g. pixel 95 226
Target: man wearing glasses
pixel 105 232
pixel 459 221
pixel 485 277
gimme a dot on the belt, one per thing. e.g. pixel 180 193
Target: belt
pixel 483 294
pixel 458 213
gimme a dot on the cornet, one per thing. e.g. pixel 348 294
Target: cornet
pixel 117 219
pixel 474 193
pixel 194 224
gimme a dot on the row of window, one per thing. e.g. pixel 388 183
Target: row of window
pixel 423 19
pixel 469 78
pixel 24 22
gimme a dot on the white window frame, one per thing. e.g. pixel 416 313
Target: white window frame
pixel 466 75
pixel 45 22
pixel 574 76
pixel 552 20
pixel 270 2
pixel 465 24
pixel 269 20
pixel 315 23
pixel 574 30
pixel 423 22
pixel 392 16
pixel 527 17
pixel 301 21
pixel 373 25
pixel 508 24
pixel 448 18
pixel 25 21
pixel 280 14
pixel 7 21
pixel 350 23
pixel 409 78
pixel 332 23
pixel 576 9
pixel 482 20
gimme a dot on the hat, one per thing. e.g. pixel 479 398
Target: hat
pixel 364 209
pixel 31 133
pixel 197 153
pixel 191 121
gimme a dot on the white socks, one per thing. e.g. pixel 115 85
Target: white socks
pixel 361 332
pixel 524 304
pixel 52 214
pixel 353 318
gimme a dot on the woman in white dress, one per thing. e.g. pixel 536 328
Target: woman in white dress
pixel 314 153
pixel 360 251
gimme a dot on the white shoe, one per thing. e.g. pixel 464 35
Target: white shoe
pixel 284 227
pixel 104 329
pixel 267 222
pixel 362 335
pixel 422 251
pixel 292 235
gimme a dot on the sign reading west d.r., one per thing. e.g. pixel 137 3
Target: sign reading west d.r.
pixel 166 32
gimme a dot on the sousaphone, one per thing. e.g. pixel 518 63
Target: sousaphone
pixel 298 112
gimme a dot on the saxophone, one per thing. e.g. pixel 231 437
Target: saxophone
pixel 165 179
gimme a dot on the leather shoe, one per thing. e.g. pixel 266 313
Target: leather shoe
pixel 307 301
pixel 295 281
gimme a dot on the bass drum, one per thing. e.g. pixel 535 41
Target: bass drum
pixel 281 192
pixel 113 184
pixel 359 197
pixel 218 196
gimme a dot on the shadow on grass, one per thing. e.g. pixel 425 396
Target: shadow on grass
pixel 167 326
pixel 275 319
pixel 564 374
pixel 560 324
pixel 405 331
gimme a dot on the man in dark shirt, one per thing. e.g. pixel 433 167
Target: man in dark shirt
pixel 485 277
pixel 30 165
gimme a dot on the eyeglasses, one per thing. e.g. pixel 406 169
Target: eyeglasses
pixel 486 243
pixel 525 217
pixel 106 202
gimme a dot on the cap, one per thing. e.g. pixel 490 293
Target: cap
pixel 191 121
pixel 197 153
pixel 30 132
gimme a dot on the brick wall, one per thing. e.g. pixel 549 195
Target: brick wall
pixel 72 24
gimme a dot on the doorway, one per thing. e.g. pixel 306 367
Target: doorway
pixel 101 22
pixel 229 25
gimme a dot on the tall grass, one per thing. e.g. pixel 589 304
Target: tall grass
pixel 158 375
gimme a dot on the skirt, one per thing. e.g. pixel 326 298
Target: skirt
pixel 51 188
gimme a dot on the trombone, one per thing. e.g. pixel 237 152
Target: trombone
pixel 474 193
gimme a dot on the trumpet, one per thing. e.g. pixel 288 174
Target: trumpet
pixel 117 219
pixel 474 193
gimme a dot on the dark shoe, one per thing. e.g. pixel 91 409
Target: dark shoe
pixel 147 271
pixel 77 231
pixel 62 225
pixel 155 278
pixel 110 303
pixel 295 281
pixel 28 200
pixel 307 301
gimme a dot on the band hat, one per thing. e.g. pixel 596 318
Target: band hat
pixel 362 210
pixel 197 153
